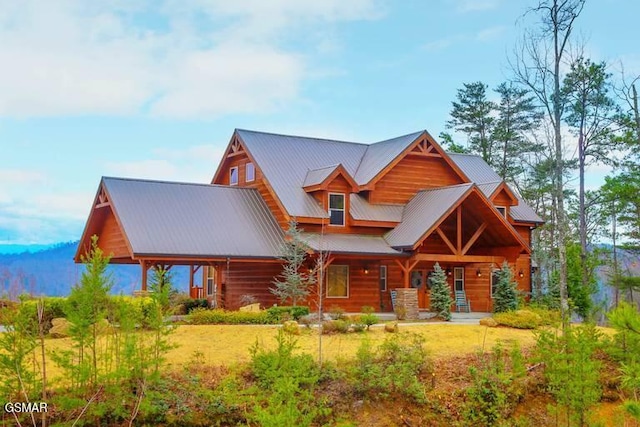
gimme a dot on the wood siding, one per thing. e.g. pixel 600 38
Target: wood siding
pixel 247 278
pixel 111 239
pixel 411 174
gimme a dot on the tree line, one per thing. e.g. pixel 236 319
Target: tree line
pixel 559 113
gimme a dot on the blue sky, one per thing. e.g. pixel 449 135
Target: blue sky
pixel 154 89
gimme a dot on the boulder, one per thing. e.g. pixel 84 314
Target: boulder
pixel 252 308
pixel 391 327
pixel 59 328
pixel 488 321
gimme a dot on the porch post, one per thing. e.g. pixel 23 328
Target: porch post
pixel 144 266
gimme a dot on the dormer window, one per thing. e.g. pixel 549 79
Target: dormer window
pixel 336 209
pixel 233 176
pixel 502 210
pixel 250 172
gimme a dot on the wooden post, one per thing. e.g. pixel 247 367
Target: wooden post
pixel 191 274
pixel 144 275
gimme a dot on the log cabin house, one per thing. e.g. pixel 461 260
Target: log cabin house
pixel 383 214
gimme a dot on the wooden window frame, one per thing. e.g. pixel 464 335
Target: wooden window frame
pixel 210 281
pixel 383 278
pixel 332 266
pixel 493 285
pixel 246 172
pixel 234 168
pixel 343 210
pixel 456 280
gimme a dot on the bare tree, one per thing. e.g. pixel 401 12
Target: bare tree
pixel 537 65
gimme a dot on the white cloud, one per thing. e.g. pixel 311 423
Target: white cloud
pixel 466 6
pixel 490 33
pixel 197 58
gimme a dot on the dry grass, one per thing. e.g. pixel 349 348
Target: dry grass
pixel 229 344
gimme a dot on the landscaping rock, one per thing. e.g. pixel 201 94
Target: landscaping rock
pixel 312 319
pixel 391 327
pixel 488 321
pixel 291 327
pixel 252 308
pixel 60 328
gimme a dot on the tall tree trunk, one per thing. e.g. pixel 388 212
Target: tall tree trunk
pixel 636 113
pixel 615 254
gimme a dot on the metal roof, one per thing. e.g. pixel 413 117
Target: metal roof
pixel 476 169
pixel 380 155
pixel 194 219
pixel 489 188
pixel 488 180
pixel 422 212
pixel 286 160
pixel 348 243
pixel 524 213
pixel 361 209
pixel 317 176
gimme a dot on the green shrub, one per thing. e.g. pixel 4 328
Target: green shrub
pixel 369 319
pixel 202 316
pixel 54 307
pixel 548 316
pixel 279 314
pixel 520 319
pixel 393 368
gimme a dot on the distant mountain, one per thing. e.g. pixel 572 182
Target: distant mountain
pixel 17 249
pixel 52 272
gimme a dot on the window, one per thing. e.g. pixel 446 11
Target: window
pixel 502 210
pixel 338 281
pixel 458 278
pixel 211 281
pixel 494 282
pixel 250 172
pixel 233 176
pixel 336 209
pixel 383 278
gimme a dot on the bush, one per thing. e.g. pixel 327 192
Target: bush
pixel 369 319
pixel 279 314
pixel 548 316
pixel 336 312
pixel 520 319
pixel 335 326
pixel 201 316
pixel 391 369
pixel 54 307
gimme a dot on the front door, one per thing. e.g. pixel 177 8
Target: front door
pixel 419 281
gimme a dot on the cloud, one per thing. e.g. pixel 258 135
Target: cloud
pixel 466 6
pixel 195 59
pixel 483 36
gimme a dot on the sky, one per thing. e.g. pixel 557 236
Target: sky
pixel 154 89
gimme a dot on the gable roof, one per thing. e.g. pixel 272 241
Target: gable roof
pixel 190 220
pixel 488 182
pixel 377 156
pixel 423 212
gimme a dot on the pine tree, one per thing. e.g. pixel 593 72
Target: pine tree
pixel 294 281
pixel 505 297
pixel 440 294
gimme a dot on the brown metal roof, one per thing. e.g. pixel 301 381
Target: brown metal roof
pixel 422 212
pixel 348 244
pixel 189 220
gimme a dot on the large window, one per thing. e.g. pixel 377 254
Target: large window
pixel 233 176
pixel 336 209
pixel 383 278
pixel 458 278
pixel 338 281
pixel 250 172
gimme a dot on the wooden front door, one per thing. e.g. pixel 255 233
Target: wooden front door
pixel 419 281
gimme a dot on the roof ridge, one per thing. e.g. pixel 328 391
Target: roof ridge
pixel 305 137
pixel 325 167
pixel 160 181
pixel 398 137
